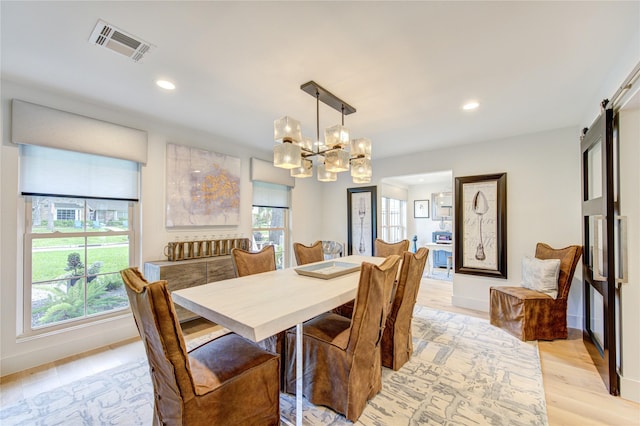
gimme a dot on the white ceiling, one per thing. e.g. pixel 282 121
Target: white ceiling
pixel 406 66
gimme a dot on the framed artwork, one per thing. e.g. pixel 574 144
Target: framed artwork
pixel 481 225
pixel 421 208
pixel 203 187
pixel 361 212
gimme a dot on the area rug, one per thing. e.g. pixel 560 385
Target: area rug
pixel 463 372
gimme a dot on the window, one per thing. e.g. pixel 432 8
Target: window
pixel 270 228
pixel 270 220
pixel 65 214
pixel 72 262
pixel 394 220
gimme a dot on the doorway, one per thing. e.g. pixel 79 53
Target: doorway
pixel 429 221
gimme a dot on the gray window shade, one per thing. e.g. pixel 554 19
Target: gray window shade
pixel 34 124
pixel 270 195
pixel 48 171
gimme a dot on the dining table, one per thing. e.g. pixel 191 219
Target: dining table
pixel 261 305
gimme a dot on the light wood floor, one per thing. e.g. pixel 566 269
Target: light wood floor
pixel 574 392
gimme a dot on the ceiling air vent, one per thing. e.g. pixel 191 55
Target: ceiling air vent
pixel 112 38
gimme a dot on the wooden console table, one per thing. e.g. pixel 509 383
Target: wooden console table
pixel 189 273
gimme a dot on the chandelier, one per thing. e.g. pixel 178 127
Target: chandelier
pixel 337 153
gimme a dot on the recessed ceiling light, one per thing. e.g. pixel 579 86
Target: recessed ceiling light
pixel 165 84
pixel 470 105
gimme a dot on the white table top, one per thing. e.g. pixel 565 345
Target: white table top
pixel 261 305
pixel 443 246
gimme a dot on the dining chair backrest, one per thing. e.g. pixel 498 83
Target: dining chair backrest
pixel 225 380
pixel 249 263
pixel 367 326
pixel 308 254
pixel 383 249
pixel 397 347
pixel 568 257
pixel 161 334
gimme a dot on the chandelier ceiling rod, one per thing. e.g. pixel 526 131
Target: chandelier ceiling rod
pixel 327 98
pixel 317 117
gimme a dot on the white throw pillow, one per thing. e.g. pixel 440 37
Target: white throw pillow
pixel 541 275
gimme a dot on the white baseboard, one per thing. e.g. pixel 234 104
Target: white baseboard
pixel 630 389
pixel 575 321
pixel 65 345
pixel 475 304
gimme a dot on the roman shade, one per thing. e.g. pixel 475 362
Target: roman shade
pixel 33 124
pixel 265 171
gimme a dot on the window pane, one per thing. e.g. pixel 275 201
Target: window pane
pixel 57 258
pixel 393 219
pixel 107 254
pixel 268 217
pixel 52 214
pixel 269 228
pixel 105 293
pixel 57 301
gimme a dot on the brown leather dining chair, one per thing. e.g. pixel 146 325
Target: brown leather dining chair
pixel 228 380
pixel 383 249
pixel 248 263
pixel 308 254
pixel 533 315
pixel 380 249
pixel 342 367
pixel 397 346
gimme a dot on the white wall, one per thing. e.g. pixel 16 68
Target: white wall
pixel 543 200
pixel 630 292
pixel 424 227
pixel 18 353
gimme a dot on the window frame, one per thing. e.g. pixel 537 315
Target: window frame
pixel 386 227
pixel 25 314
pixel 286 244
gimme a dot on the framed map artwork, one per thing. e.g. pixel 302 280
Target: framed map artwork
pixel 203 187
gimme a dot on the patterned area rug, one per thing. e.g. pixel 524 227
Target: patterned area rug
pixel 463 372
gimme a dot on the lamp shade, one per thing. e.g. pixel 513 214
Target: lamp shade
pixel 287 156
pixel 306 144
pixel 336 136
pixel 361 179
pixel 287 129
pixel 324 175
pixel 305 170
pixel 336 160
pixel 361 147
pixel 361 167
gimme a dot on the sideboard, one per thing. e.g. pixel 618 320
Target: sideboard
pixel 189 273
